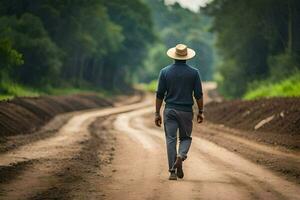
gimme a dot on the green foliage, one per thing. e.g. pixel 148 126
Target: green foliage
pixel 281 66
pixel 150 87
pixel 289 87
pixel 88 40
pixel 173 25
pixel 41 56
pixel 9 90
pixel 134 18
pixel 257 39
pixel 229 81
pixel 82 90
pixel 9 57
pixel 153 63
pixel 82 44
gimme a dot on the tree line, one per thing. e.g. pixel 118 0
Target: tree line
pixel 174 24
pixel 258 40
pixel 76 43
pixel 110 44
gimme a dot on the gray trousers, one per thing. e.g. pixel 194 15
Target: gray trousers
pixel 177 120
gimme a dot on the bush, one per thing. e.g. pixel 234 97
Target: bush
pixel 289 87
pixel 9 90
pixel 41 56
pixel 281 66
pixel 150 87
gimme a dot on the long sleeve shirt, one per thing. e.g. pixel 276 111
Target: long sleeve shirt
pixel 177 84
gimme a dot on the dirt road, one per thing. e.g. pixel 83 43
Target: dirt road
pixel 115 153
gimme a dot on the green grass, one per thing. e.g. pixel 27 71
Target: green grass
pixel 289 87
pixel 73 90
pixel 9 90
pixel 150 87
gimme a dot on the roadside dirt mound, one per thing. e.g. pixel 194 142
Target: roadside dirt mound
pixel 276 115
pixel 25 115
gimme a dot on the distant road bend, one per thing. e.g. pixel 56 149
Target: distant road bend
pixel 116 153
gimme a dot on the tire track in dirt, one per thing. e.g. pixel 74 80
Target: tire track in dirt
pixel 217 162
pixel 212 172
pixel 72 165
pixel 50 154
pixel 79 177
pixel 239 177
pixel 240 164
pixel 53 146
pixel 261 147
pixel 278 159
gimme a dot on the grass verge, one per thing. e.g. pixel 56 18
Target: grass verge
pixel 150 87
pixel 289 87
pixel 9 90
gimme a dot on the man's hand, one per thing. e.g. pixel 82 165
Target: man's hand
pixel 157 119
pixel 200 117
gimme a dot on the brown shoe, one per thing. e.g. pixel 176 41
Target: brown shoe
pixel 172 176
pixel 178 166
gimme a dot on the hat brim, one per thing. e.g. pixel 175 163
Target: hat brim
pixel 172 54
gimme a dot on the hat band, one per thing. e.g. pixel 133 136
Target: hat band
pixel 182 53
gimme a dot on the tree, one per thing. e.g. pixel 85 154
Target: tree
pixel 153 63
pixel 9 57
pixel 77 43
pixel 134 18
pixel 41 55
pixel 252 37
pixel 173 25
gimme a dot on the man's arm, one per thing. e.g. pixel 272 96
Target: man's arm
pixel 158 104
pixel 198 94
pixel 160 95
pixel 200 115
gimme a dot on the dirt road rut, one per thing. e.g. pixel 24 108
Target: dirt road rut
pixel 114 154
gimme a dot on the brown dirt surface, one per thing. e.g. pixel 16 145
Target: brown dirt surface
pixel 277 120
pixel 64 177
pixel 275 158
pixel 67 164
pixel 13 141
pixel 211 171
pixel 26 115
pixel 117 153
pixel 82 173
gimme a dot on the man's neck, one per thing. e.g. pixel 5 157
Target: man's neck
pixel 179 61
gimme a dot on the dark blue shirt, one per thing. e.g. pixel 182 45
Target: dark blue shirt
pixel 177 84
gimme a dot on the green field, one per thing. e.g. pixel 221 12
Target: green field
pixel 150 87
pixel 289 87
pixel 10 90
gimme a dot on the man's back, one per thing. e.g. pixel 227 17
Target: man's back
pixel 176 86
pixel 177 83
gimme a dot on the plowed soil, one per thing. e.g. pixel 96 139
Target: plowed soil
pixel 26 115
pixel 118 153
pixel 274 121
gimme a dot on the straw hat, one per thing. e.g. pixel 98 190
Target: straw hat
pixel 181 52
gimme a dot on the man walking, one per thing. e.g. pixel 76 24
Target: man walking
pixel 177 85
